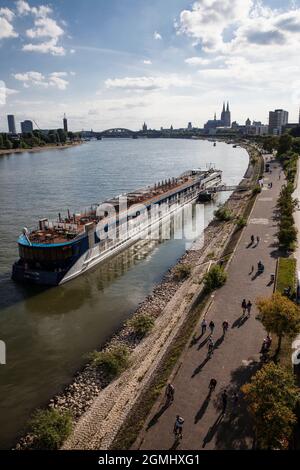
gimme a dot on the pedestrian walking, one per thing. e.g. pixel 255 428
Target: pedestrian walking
pixel 170 392
pixel 212 384
pixel 244 306
pixel 252 239
pixel 178 427
pixel 211 327
pixel 225 326
pixel 257 240
pixel 210 347
pixel 224 397
pixel 203 327
pixel 249 307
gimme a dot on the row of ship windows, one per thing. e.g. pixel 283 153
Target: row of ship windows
pixel 49 254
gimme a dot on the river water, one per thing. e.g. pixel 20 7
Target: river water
pixel 48 331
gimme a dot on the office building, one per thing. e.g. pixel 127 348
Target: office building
pixel 277 120
pixel 26 127
pixel 11 124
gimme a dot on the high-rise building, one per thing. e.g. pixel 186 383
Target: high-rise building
pixel 145 127
pixel 26 127
pixel 11 124
pixel 65 123
pixel 190 126
pixel 277 120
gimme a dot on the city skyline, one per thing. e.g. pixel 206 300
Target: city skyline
pixel 121 65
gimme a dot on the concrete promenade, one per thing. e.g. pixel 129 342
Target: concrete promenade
pixel 236 356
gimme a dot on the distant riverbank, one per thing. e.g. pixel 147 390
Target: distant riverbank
pixel 39 149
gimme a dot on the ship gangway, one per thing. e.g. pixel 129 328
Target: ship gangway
pixel 224 187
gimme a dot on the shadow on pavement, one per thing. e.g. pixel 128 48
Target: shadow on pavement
pixel 219 341
pixel 235 430
pixel 203 343
pixel 212 430
pixel 156 417
pixel 203 408
pixel 195 340
pixel 240 321
pixel 200 367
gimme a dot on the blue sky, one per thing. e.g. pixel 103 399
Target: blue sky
pixel 120 62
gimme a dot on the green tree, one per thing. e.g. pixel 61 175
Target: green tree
pixel 62 136
pixel 285 144
pixel 53 137
pixel 279 315
pixel 1 141
pixel 295 132
pixel 272 397
pixel 270 143
pixel 287 236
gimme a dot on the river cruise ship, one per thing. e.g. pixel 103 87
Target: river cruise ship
pixel 58 251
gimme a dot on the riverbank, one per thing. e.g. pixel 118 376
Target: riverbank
pixel 90 387
pixel 4 152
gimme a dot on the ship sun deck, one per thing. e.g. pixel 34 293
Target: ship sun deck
pixel 66 229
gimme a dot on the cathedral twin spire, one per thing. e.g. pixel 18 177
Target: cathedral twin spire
pixel 226 115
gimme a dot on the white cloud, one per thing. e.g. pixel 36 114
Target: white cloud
pixel 45 28
pixel 147 62
pixel 197 61
pixel 157 36
pixel 23 7
pixel 145 83
pixel 7 13
pixel 6 27
pixel 228 26
pixel 5 92
pixel 47 47
pixel 54 79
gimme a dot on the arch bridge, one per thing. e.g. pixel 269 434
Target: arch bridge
pixel 117 132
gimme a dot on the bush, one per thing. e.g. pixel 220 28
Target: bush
pixel 256 190
pixel 141 324
pixel 51 428
pixel 215 278
pixel 223 214
pixel 182 271
pixel 113 361
pixel 241 222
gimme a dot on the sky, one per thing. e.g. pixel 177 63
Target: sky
pixel 118 63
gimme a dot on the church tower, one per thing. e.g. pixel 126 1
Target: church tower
pixel 223 115
pixel 227 116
